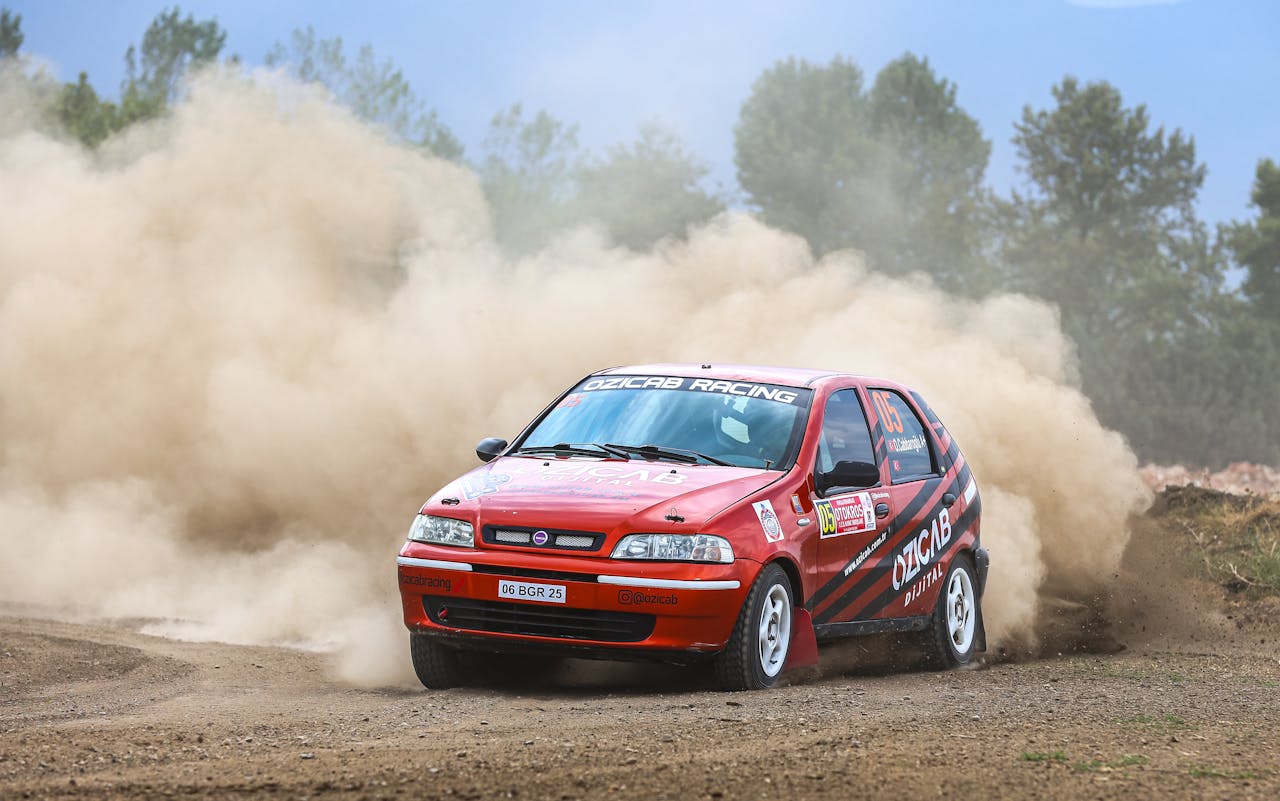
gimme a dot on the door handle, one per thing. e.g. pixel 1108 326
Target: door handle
pixel 948 499
pixel 882 510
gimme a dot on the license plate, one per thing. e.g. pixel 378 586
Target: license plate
pixel 524 591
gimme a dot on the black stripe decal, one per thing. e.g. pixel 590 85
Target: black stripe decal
pixel 835 581
pixel 885 563
pixel 912 509
pixel 959 529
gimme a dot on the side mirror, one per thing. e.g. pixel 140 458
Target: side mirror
pixel 849 474
pixel 490 448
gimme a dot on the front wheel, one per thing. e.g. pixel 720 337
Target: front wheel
pixel 437 666
pixel 757 649
pixel 949 641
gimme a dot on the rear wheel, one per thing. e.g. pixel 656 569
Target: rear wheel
pixel 757 649
pixel 949 641
pixel 437 666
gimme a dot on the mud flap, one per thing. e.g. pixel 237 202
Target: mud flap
pixel 982 561
pixel 979 633
pixel 804 641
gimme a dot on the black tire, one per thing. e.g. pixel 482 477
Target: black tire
pixel 952 636
pixel 437 666
pixel 742 664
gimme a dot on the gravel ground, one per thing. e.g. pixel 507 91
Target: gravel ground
pixel 1189 709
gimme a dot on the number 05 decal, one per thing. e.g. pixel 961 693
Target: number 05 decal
pixel 888 415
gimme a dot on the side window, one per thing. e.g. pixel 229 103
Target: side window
pixel 844 436
pixel 910 455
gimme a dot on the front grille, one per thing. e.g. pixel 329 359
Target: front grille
pixel 543 538
pixel 542 621
pixel 575 541
pixel 525 572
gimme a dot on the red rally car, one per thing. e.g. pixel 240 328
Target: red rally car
pixel 686 512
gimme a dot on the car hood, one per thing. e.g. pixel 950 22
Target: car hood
pixel 599 494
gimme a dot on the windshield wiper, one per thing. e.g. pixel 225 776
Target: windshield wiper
pixel 683 455
pixel 585 449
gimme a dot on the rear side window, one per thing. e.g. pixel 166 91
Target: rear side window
pixel 845 436
pixel 910 454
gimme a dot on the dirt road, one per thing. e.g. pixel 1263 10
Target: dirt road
pixel 1178 696
pixel 102 711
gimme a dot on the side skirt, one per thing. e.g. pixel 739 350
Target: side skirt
pixel 854 628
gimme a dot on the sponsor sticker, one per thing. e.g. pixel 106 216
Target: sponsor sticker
pixel 769 522
pixel 644 597
pixel 795 505
pixel 920 551
pixel 487 485
pixel 846 514
pixel 427 581
pixel 899 444
pixel 744 389
pixel 865 552
pixel 573 491
pixel 600 475
pixel 923 584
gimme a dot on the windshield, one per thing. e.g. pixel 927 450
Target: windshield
pixel 683 419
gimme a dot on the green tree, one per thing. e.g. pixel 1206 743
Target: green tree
pixel 171 46
pixel 895 172
pixel 1256 245
pixel 1106 229
pixel 10 34
pixel 28 92
pixel 73 108
pixel 935 173
pixel 647 191
pixel 528 173
pixel 1109 212
pixel 376 91
pixel 1251 344
pixel 798 141
pixel 81 113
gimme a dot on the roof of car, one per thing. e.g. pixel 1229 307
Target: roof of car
pixel 786 376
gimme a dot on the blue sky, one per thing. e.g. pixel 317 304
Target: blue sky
pixel 1210 67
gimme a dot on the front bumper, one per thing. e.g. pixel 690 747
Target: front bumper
pixel 613 608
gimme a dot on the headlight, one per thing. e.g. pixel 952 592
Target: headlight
pixel 442 531
pixel 675 548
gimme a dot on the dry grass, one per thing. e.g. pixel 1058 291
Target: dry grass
pixel 1233 540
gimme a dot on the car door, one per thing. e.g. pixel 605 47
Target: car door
pixel 912 566
pixel 852 522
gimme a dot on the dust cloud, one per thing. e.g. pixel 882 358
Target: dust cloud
pixel 239 346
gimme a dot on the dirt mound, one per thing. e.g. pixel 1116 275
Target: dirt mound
pixel 53 671
pixel 1201 570
pixel 30 662
pixel 1238 478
